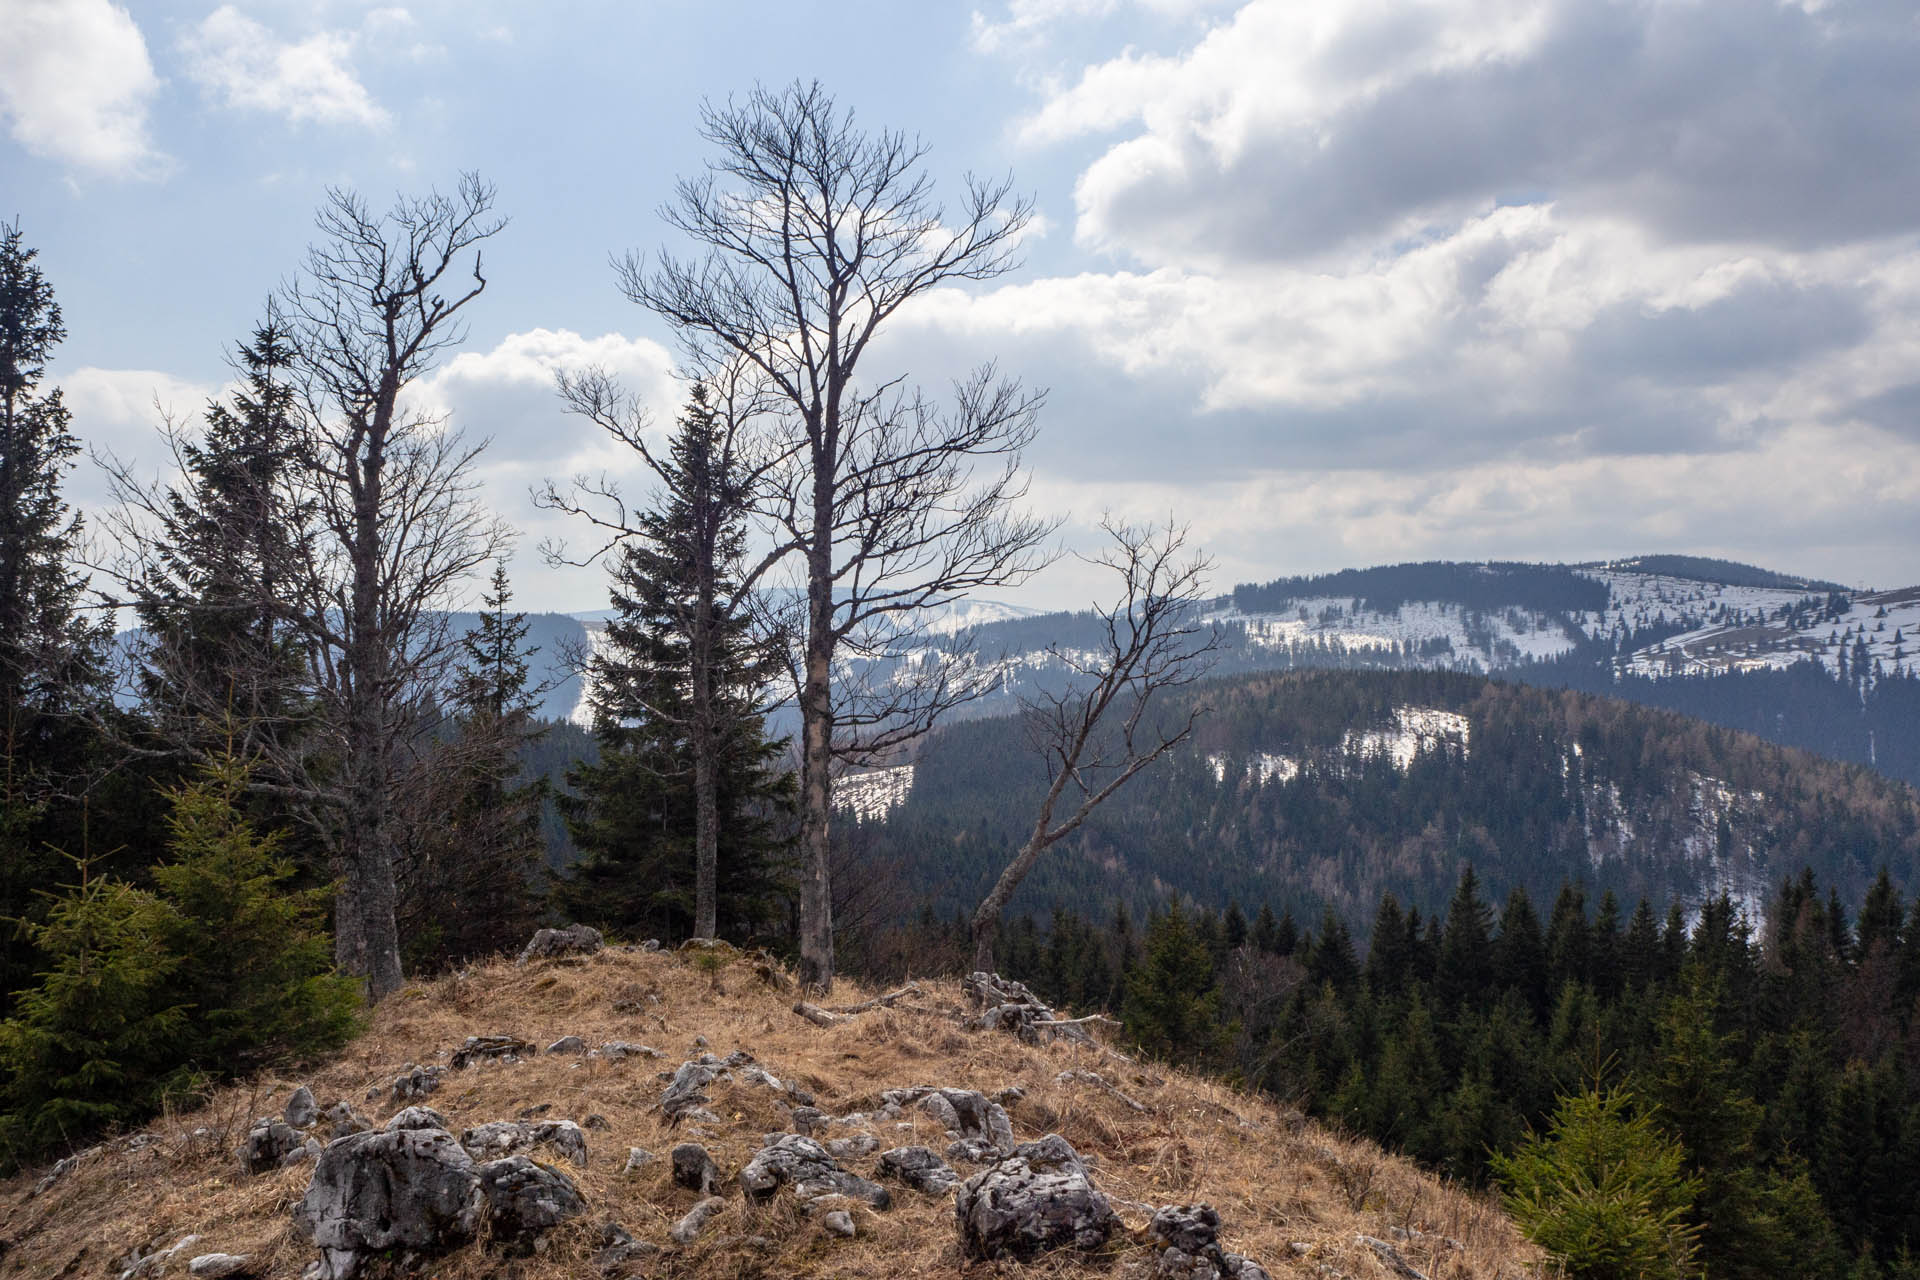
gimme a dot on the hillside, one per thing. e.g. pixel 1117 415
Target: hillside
pixel 1329 788
pixel 1296 1199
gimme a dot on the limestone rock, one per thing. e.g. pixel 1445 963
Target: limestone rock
pixel 620 1254
pixel 804 1165
pixel 301 1109
pixel 268 1143
pixel 568 1044
pixel 639 1158
pixel 525 1198
pixel 412 1190
pixel 493 1048
pixel 860 1144
pixel 574 940
pixel 694 1169
pixel 220 1266
pixel 343 1120
pixel 416 1083
pixel 839 1223
pixel 688 1229
pixel 415 1117
pixel 509 1137
pixel 964 1113
pixel 919 1168
pixel 157 1262
pixel 1189 1237
pixel 618 1050
pixel 1017 1210
pixel 688 1090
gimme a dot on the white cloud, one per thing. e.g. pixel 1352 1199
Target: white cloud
pixel 244 65
pixel 118 413
pixel 75 82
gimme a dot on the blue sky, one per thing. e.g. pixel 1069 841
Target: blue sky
pixel 1338 283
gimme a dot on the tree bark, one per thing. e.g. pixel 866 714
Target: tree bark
pixel 816 823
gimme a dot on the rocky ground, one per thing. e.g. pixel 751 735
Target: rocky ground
pixel 625 1112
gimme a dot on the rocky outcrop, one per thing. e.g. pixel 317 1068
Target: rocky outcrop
pixel 919 1168
pixel 576 940
pixel 510 1137
pixel 1189 1239
pixel 269 1142
pixel 493 1048
pixel 413 1084
pixel 415 1118
pixel 525 1199
pixel 301 1110
pixel 966 1115
pixel 410 1191
pixel 804 1166
pixel 1026 1205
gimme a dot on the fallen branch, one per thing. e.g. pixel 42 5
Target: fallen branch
pixel 886 1001
pixel 816 1015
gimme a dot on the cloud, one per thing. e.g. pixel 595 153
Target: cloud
pixel 75 83
pixel 1295 131
pixel 118 413
pixel 244 65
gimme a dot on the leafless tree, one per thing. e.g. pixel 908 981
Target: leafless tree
pixel 816 234
pixel 1097 731
pixel 377 303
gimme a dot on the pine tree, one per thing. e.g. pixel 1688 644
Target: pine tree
pixel 470 880
pixel 1173 1003
pixel 52 658
pixel 681 819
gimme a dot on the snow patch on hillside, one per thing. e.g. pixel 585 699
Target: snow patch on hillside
pixel 1415 729
pixel 872 795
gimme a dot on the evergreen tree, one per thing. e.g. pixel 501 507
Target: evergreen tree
pixel 1603 1190
pixel 1466 953
pixel 671 828
pixel 1173 1003
pixel 52 658
pixel 470 880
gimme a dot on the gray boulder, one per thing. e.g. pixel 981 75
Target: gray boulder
pixel 619 1050
pixel 301 1110
pixel 568 1044
pixel 973 1151
pixel 803 1165
pixel 694 1169
pixel 415 1117
pixel 919 1168
pixel 493 1048
pixel 410 1191
pixel 1017 1209
pixel 963 1113
pixel 344 1120
pixel 416 1083
pixel 574 940
pixel 639 1158
pixel 525 1198
pixel 839 1223
pixel 268 1143
pixel 1189 1237
pixel 510 1137
pixel 688 1229
pixel 687 1092
pixel 620 1254
pixel 220 1266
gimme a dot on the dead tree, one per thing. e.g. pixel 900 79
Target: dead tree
pixel 402 528
pixel 1097 731
pixel 816 234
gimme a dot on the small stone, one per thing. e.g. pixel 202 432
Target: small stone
pixel 639 1158
pixel 839 1223
pixel 268 1143
pixel 919 1168
pixel 301 1110
pixel 568 1044
pixel 596 1121
pixel 576 940
pixel 808 1119
pixel 694 1169
pixel 688 1229
pixel 415 1117
pixel 345 1120
pixel 861 1144
pixel 218 1266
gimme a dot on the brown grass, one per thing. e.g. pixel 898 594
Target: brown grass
pixel 1292 1195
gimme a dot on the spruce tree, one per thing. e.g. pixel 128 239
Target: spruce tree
pixel 470 877
pixel 1173 1002
pixel 681 819
pixel 52 657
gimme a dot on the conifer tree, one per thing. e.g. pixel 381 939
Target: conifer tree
pixel 471 875
pixel 52 658
pixel 680 820
pixel 1173 1002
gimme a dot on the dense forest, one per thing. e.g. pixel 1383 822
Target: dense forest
pixel 1783 1066
pixel 1289 794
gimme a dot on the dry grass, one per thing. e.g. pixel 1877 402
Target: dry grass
pixel 1279 1182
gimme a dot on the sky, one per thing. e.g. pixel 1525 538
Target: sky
pixel 1337 283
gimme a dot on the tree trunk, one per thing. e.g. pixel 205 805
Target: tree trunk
pixel 995 902
pixel 706 837
pixel 706 818
pixel 816 798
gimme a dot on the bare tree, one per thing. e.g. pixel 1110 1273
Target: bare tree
pixel 816 234
pixel 1097 731
pixel 378 302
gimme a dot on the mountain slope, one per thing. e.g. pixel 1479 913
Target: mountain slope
pixel 1330 787
pixel 1292 1196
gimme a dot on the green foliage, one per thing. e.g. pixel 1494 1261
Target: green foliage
pixel 98 1041
pixel 218 969
pixel 1173 1002
pixel 1603 1190
pixel 633 814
